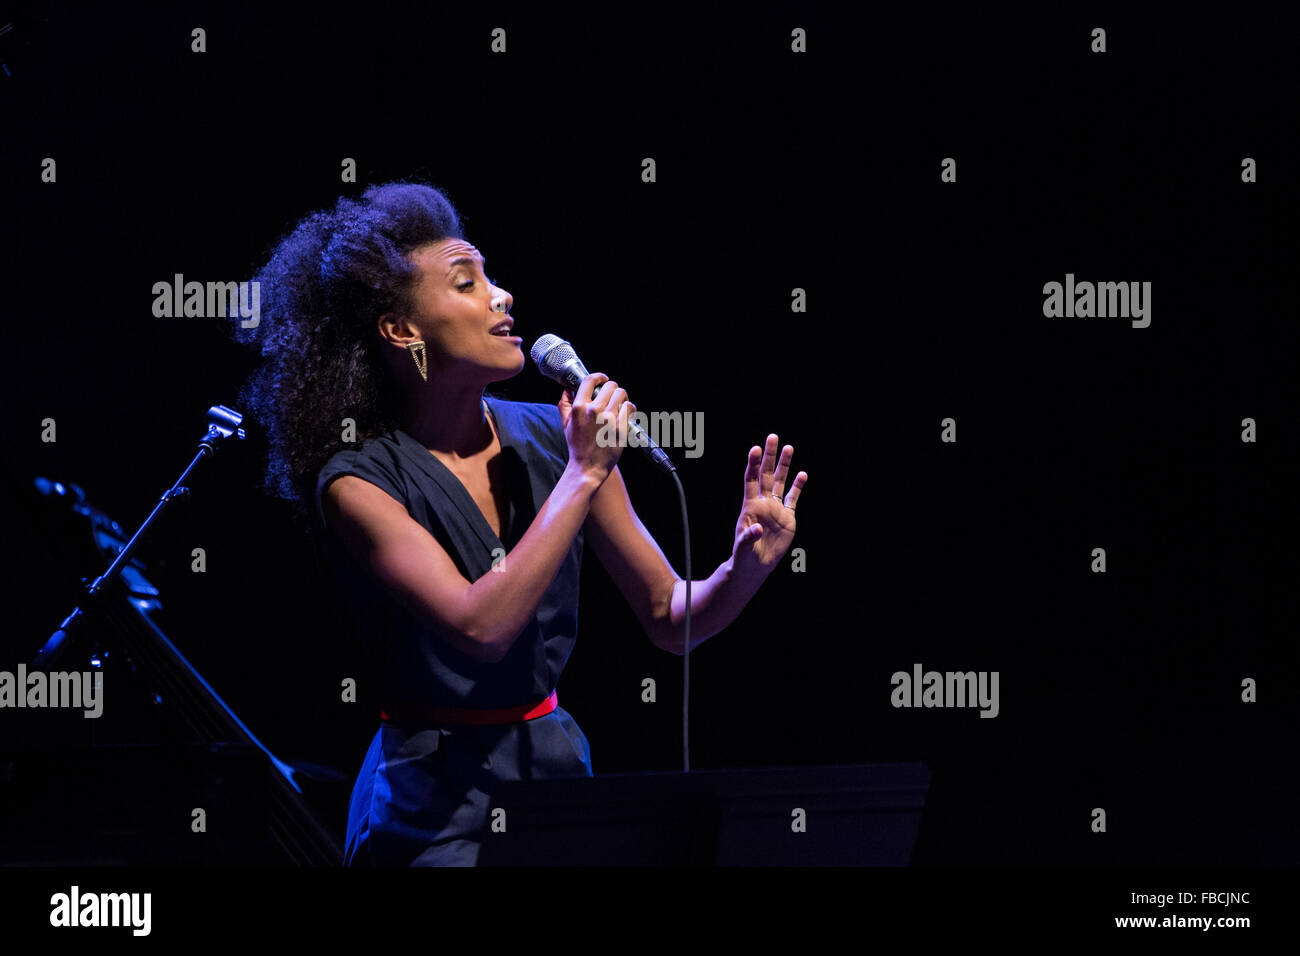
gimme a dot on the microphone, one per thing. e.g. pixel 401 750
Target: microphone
pixel 556 360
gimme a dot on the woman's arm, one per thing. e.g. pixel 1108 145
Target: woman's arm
pixel 654 591
pixel 482 619
pixel 652 588
pixel 630 555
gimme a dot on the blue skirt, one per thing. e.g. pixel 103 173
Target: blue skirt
pixel 423 796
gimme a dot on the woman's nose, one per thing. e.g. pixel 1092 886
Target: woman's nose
pixel 502 301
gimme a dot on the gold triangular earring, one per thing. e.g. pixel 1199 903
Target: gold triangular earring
pixel 421 359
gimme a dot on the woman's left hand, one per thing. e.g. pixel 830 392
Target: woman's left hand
pixel 766 525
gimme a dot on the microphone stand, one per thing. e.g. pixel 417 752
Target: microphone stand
pixel 223 423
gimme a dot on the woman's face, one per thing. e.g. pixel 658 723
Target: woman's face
pixel 453 306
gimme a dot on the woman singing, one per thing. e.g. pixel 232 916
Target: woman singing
pixel 453 520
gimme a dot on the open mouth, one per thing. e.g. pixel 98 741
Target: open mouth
pixel 502 329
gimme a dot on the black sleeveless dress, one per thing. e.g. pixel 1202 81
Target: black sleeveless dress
pixel 423 796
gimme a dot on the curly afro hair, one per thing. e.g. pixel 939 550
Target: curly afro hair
pixel 326 283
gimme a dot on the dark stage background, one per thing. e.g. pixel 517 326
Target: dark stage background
pixel 775 170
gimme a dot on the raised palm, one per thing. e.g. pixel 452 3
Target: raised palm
pixel 766 524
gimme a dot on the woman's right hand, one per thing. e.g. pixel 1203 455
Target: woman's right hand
pixel 584 418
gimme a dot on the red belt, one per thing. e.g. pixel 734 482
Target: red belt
pixel 441 716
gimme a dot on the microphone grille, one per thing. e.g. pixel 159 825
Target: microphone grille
pixel 552 354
